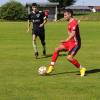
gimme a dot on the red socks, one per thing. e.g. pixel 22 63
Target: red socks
pixel 54 57
pixel 75 63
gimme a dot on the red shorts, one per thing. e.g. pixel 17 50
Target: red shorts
pixel 71 47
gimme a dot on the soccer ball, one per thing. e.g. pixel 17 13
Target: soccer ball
pixel 42 70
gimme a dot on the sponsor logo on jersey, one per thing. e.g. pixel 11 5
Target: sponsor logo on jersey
pixel 38 15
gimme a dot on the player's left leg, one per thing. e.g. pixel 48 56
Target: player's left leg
pixel 54 57
pixel 42 38
pixel 71 59
pixel 34 44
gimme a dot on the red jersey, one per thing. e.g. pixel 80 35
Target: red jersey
pixel 73 26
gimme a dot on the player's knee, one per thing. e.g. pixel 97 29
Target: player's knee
pixel 56 49
pixel 34 40
pixel 43 42
pixel 69 57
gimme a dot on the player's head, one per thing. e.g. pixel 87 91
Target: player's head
pixel 68 14
pixel 34 6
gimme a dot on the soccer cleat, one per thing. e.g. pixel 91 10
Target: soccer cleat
pixel 36 55
pixel 82 72
pixel 44 52
pixel 50 69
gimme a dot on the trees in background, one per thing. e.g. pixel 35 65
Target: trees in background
pixel 13 11
pixel 63 3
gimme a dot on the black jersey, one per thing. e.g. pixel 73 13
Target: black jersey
pixel 37 18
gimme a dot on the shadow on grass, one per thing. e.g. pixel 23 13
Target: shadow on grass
pixel 87 72
pixel 62 73
pixel 93 71
pixel 50 55
pixel 47 56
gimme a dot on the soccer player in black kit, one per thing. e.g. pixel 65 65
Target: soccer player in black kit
pixel 38 19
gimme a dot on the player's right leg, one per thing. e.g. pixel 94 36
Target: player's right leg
pixel 74 61
pixel 42 38
pixel 35 45
pixel 60 48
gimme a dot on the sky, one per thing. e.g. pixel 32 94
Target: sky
pixel 23 1
pixel 78 2
pixel 88 2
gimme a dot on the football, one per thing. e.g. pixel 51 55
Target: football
pixel 42 70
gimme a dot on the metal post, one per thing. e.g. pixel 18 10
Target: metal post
pixel 56 12
pixel 28 8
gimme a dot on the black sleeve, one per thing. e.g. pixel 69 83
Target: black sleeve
pixel 43 14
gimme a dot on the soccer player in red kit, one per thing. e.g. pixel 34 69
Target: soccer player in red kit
pixel 72 44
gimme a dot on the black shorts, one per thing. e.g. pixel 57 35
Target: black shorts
pixel 40 33
pixel 75 49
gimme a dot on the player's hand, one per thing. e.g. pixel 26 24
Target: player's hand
pixel 62 41
pixel 41 25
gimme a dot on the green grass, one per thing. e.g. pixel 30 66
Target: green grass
pixel 18 68
pixel 84 16
pixel 89 16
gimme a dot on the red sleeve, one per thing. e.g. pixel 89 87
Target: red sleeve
pixel 74 25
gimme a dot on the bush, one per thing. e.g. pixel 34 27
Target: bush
pixel 13 11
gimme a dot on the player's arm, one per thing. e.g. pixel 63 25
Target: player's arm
pixel 70 36
pixel 44 20
pixel 28 25
pixel 29 22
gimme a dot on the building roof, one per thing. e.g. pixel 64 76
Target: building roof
pixel 97 7
pixel 78 7
pixel 45 4
pixel 87 3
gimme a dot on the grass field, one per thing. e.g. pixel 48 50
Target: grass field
pixel 89 16
pixel 18 68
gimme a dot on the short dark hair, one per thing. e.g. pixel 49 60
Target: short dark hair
pixel 34 4
pixel 69 11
